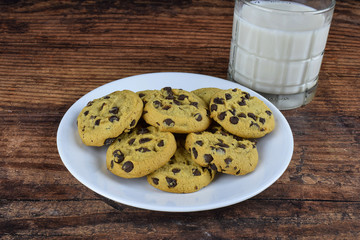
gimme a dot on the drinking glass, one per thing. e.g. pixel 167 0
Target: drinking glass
pixel 277 48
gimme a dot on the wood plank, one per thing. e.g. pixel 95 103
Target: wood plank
pixel 282 219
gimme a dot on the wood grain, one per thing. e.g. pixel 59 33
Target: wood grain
pixel 53 52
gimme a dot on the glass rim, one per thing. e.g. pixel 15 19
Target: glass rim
pixel 263 8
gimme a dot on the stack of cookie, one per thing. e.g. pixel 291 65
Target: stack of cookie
pixel 178 139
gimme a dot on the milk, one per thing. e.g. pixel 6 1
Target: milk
pixel 277 52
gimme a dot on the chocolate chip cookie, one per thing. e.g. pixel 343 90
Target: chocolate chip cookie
pixel 241 114
pixel 104 119
pixel 181 174
pixel 222 151
pixel 140 152
pixel 177 111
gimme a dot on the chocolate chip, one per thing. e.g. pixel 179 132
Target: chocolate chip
pixel 198 117
pixel 268 112
pixel 233 111
pixel 218 100
pixel 208 158
pixel 227 160
pixel 262 120
pixel 222 116
pixel 128 166
pixel 113 118
pixel 106 97
pixel 237 138
pixel 195 153
pixel 213 107
pixel 143 150
pixel 133 122
pixel 254 124
pixel 109 141
pixel 247 95
pixel 97 122
pixel 166 107
pixel 86 113
pixel 240 145
pixel 199 142
pixel 177 102
pixel 234 120
pixel 112 164
pixel 195 104
pixel 157 104
pixel 182 97
pixel 144 140
pixel 175 170
pixel 221 144
pixel 142 131
pixel 228 96
pixel 141 95
pixel 171 182
pixel 102 106
pixel 213 167
pixel 89 104
pixel 169 122
pixel 242 115
pixel 238 172
pixel 170 97
pixel 242 103
pixel 114 110
pixel 119 156
pixel 169 92
pixel 196 172
pixel 131 141
pixel 220 151
pixel 251 115
pixel 155 181
pixel 161 143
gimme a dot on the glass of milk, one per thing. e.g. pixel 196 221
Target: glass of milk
pixel 277 48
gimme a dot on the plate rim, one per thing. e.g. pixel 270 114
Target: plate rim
pixel 209 206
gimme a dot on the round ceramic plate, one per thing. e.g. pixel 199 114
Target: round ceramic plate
pixel 88 164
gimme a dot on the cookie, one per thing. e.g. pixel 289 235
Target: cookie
pixel 140 152
pixel 177 111
pixel 241 114
pixel 222 151
pixel 206 93
pixel 181 174
pixel 104 119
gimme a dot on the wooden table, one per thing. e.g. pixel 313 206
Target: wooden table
pixel 53 52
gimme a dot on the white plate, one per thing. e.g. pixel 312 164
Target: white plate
pixel 88 164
